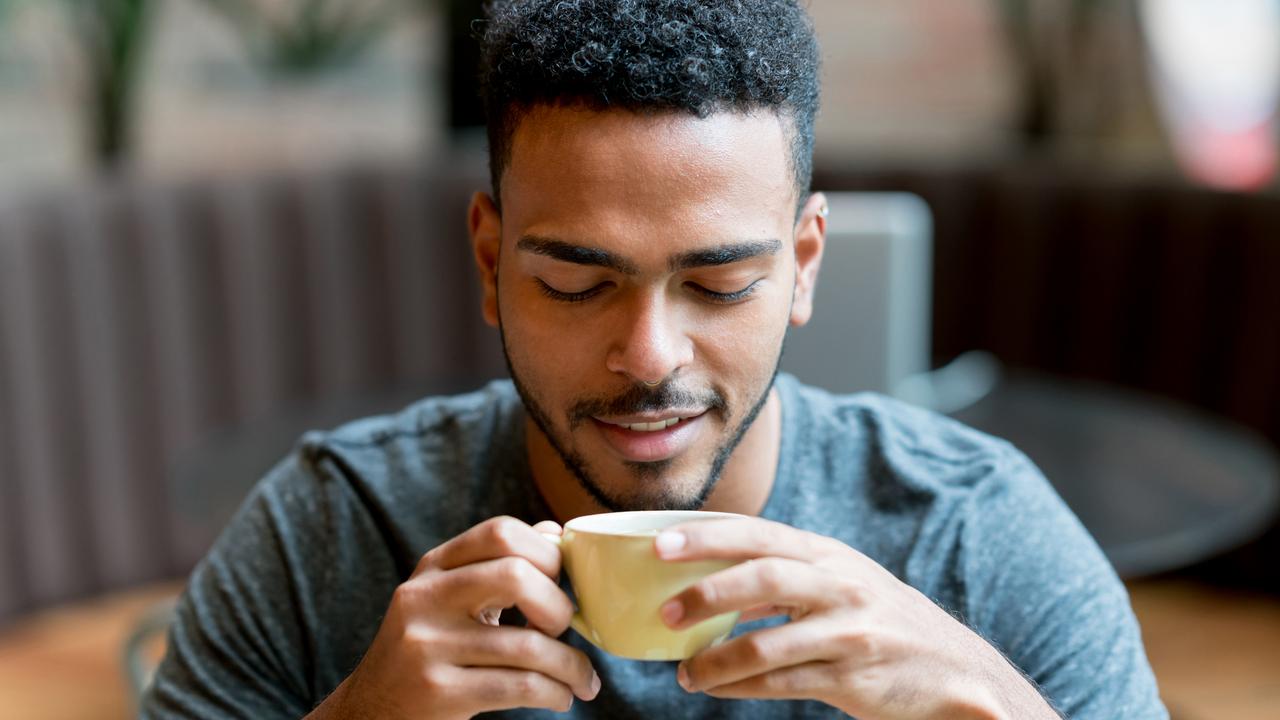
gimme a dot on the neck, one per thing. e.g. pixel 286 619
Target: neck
pixel 744 486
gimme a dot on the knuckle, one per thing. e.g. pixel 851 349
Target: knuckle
pixel 435 680
pixel 857 641
pixel 420 638
pixel 402 596
pixel 773 576
pixel 427 561
pixel 513 570
pixel 756 649
pixel 853 592
pixel 406 596
pixel 526 645
pixel 526 684
pixel 703 594
pixel 504 533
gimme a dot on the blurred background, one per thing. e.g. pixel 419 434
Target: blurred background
pixel 223 222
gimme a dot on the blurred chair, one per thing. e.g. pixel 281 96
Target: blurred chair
pixel 139 659
pixel 1105 295
pixel 871 325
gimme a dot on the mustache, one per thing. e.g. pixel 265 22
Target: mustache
pixel 641 398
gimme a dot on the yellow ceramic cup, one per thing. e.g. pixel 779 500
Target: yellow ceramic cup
pixel 620 583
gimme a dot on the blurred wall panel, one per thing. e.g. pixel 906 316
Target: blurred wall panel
pixel 139 323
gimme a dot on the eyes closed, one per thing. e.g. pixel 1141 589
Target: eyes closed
pixel 723 298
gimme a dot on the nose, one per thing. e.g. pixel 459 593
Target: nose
pixel 652 343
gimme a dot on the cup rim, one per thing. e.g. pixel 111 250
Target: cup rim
pixel 582 524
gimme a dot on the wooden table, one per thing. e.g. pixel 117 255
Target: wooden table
pixel 66 663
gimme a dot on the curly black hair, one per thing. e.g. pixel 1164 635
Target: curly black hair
pixel 696 56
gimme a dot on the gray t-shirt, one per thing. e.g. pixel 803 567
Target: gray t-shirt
pixel 291 595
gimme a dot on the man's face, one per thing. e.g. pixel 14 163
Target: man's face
pixel 644 284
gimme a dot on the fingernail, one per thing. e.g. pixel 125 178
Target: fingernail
pixel 682 677
pixel 595 685
pixel 672 611
pixel 669 542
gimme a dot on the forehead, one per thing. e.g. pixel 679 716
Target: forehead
pixel 620 176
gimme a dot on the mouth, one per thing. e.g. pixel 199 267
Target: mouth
pixel 643 425
pixel 650 439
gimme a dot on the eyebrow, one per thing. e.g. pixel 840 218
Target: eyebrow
pixel 705 257
pixel 576 254
pixel 724 254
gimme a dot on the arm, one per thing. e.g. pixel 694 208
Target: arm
pixel 231 651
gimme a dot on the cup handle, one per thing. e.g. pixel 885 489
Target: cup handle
pixel 578 623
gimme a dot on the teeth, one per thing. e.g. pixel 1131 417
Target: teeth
pixel 653 426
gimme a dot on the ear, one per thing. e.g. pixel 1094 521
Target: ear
pixel 810 239
pixel 485 225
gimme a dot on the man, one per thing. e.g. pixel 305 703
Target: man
pixel 649 239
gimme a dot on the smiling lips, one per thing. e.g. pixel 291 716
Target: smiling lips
pixel 644 440
pixel 647 426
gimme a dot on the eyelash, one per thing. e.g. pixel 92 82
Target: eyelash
pixel 713 296
pixel 726 298
pixel 569 297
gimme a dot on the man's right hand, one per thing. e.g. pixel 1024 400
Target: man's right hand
pixel 440 652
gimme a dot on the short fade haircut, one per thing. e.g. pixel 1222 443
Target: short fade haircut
pixel 695 56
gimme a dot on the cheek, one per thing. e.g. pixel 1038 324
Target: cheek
pixel 741 351
pixel 539 342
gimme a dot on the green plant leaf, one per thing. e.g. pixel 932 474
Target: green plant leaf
pixel 313 36
pixel 112 36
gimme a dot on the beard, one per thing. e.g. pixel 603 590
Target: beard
pixel 650 492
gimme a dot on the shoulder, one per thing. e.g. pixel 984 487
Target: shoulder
pixel 402 482
pixel 980 500
pixel 433 420
pixel 941 504
pixel 433 441
pixel 313 554
pixel 893 443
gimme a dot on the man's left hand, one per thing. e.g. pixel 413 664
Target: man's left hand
pixel 859 639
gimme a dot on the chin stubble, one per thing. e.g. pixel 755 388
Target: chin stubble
pixel 639 399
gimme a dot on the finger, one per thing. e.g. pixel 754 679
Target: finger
pixel 761 612
pixel 525 649
pixel 795 585
pixel 505 582
pixel 494 538
pixel 799 682
pixel 550 527
pixel 743 539
pixel 755 653
pixel 505 688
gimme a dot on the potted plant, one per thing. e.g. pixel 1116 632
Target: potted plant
pixel 111 36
